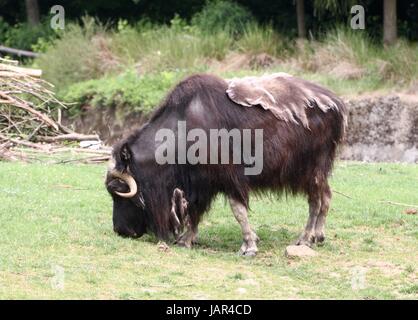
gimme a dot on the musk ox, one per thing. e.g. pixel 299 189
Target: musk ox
pixel 302 125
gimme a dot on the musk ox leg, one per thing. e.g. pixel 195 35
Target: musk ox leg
pixel 249 246
pixel 308 235
pixel 320 222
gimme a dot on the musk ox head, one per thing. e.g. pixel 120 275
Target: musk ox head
pixel 134 208
pixel 129 218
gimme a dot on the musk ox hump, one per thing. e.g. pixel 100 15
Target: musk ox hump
pixel 287 97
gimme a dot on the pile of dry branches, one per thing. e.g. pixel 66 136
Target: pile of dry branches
pixel 30 118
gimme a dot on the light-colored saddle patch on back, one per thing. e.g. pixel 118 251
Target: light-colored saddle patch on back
pixel 287 97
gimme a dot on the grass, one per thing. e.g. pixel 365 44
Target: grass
pixel 56 224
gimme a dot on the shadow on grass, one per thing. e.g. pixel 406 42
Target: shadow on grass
pixel 228 239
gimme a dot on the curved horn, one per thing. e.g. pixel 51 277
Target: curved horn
pixel 130 181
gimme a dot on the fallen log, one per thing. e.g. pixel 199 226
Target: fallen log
pixel 19 52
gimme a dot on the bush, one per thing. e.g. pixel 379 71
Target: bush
pixel 23 36
pixel 4 26
pixel 258 39
pixel 221 15
pixel 127 91
pixel 79 54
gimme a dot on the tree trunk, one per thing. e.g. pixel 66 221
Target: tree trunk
pixel 32 12
pixel 389 22
pixel 300 14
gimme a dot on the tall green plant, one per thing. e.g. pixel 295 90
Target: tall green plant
pixel 222 15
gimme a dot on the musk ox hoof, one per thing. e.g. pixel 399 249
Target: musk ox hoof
pixel 184 244
pixel 248 254
pixel 309 239
pixel 306 239
pixel 187 239
pixel 319 238
pixel 248 249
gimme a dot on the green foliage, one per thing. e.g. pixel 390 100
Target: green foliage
pixel 75 56
pixel 397 65
pixel 262 39
pixel 400 62
pixel 90 51
pixel 4 26
pixel 223 15
pixel 337 7
pixel 23 36
pixel 127 91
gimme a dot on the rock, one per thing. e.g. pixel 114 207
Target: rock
pixel 241 290
pixel 162 246
pixel 299 251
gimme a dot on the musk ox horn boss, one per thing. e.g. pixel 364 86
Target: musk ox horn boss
pixel 301 123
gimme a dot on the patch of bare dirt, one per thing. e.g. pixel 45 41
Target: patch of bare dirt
pixel 107 122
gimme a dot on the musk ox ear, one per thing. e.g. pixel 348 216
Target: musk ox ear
pixel 178 210
pixel 122 155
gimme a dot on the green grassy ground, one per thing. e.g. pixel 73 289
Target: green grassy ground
pixel 57 241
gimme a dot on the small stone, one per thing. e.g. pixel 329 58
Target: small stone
pixel 242 290
pixel 299 251
pixel 411 211
pixel 162 246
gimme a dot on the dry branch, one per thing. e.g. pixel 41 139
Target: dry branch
pixel 24 143
pixel 27 71
pixel 399 204
pixel 68 137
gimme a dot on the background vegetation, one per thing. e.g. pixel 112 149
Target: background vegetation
pixel 132 60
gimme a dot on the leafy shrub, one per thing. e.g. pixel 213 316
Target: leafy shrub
pixel 221 15
pixel 75 56
pixel 24 36
pixel 128 91
pixel 4 26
